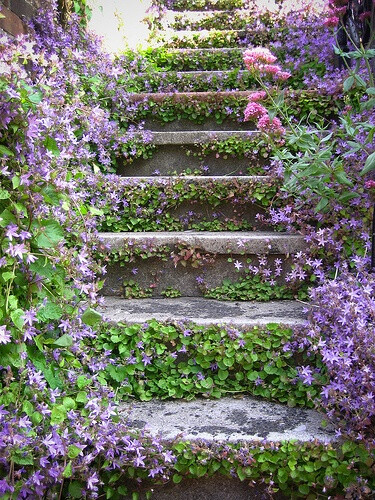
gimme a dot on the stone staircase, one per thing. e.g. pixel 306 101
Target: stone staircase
pixel 214 236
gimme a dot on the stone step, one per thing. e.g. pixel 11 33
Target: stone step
pixel 200 263
pixel 228 420
pixel 193 111
pixel 173 203
pixel 193 81
pixel 201 311
pixel 231 157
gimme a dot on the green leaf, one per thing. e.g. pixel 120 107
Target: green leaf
pixel 4 195
pixel 73 451
pixel 7 276
pixel 49 311
pixel 369 164
pixel 36 417
pixel 58 414
pixel 68 472
pixel 75 489
pixel 17 318
pixel 5 151
pixel 348 83
pixel 91 317
pixel 51 145
pixel 22 459
pixel 321 205
pixel 69 403
pixel 303 489
pixel 51 234
pixel 177 478
pixel 28 408
pixel 341 177
pixel 81 397
pixel 64 341
pixel 82 381
pixel 96 211
pixel 16 181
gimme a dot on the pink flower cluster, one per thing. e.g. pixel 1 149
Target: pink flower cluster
pixel 258 55
pixel 261 59
pixel 255 111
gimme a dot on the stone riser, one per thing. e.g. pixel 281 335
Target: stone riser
pixel 160 275
pixel 199 81
pixel 199 216
pixel 173 160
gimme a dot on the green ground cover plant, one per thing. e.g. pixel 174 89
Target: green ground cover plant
pixel 61 427
pixel 186 360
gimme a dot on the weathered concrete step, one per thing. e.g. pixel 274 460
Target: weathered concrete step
pixel 201 311
pixel 199 263
pixel 216 243
pixel 199 81
pixel 228 420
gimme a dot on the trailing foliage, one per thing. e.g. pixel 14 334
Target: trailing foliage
pixel 185 360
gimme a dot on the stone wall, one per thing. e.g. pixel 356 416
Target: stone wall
pixel 15 12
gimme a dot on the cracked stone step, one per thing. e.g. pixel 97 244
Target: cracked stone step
pixel 228 420
pixel 196 263
pixel 204 312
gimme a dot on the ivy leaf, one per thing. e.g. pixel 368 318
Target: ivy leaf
pixel 49 311
pixel 64 341
pixel 51 234
pixel 17 318
pixel 90 317
pixel 4 194
pixel 58 414
pixel 73 451
pixel 50 144
pixel 75 489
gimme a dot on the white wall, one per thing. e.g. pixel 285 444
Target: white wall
pixel 119 23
